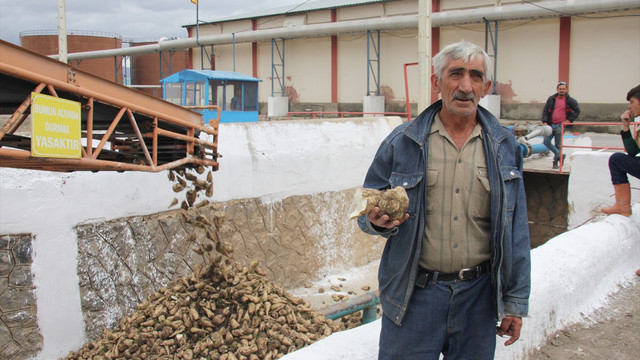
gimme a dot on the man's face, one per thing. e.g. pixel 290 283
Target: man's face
pixel 462 86
pixel 634 107
pixel 562 90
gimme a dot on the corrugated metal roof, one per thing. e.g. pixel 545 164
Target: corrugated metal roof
pixel 293 9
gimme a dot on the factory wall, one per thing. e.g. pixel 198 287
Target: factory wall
pixel 603 59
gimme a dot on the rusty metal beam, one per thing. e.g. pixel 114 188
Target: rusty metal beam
pixel 132 119
pixel 18 116
pixel 23 160
pixel 174 137
pixel 24 64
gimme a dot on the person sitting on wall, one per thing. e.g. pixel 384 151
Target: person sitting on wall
pixel 621 164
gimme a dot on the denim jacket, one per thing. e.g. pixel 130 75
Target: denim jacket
pixel 401 160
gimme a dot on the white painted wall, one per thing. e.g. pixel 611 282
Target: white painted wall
pixel 608 51
pixel 271 161
pixel 268 160
pixel 308 69
pixel 274 160
pixel 352 68
pixel 556 301
pixel 530 71
pixel 590 186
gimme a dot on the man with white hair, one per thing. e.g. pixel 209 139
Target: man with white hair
pixel 458 262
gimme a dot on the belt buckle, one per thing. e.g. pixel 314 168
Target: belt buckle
pixel 462 271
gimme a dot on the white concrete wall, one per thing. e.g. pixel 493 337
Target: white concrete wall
pixel 271 161
pixel 590 186
pixel 567 286
pixel 268 160
pixel 556 301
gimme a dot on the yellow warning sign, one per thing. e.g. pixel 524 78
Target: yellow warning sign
pixel 55 127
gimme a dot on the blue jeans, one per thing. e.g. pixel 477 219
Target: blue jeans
pixel 557 141
pixel 621 164
pixel 455 318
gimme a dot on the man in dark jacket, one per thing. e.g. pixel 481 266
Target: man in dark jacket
pixel 560 108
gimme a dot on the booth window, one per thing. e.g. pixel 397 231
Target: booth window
pixel 194 93
pixel 173 93
pixel 236 96
pixel 251 96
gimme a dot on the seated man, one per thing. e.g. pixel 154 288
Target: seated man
pixel 621 164
pixel 236 101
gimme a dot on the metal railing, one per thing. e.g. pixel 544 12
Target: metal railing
pixel 102 34
pixel 340 114
pixel 158 135
pixel 633 125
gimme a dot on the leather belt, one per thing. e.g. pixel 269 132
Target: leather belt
pixel 466 274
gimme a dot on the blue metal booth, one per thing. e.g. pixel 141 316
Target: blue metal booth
pixel 231 95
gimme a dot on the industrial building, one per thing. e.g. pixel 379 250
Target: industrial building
pixel 328 55
pixel 331 56
pixel 90 244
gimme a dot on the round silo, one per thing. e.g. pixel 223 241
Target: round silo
pixel 148 69
pixel 46 42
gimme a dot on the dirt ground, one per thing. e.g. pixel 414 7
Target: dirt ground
pixel 612 332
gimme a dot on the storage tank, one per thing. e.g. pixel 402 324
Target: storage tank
pixel 45 42
pixel 148 69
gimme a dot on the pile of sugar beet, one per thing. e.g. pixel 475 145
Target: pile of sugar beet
pixel 223 310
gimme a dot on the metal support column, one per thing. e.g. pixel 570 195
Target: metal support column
pixel 234 51
pixel 277 54
pixel 203 51
pixel 491 33
pixel 168 62
pixel 424 53
pixel 373 64
pixel 118 66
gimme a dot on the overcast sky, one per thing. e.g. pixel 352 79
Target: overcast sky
pixel 136 19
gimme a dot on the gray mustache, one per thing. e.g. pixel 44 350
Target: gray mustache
pixel 459 95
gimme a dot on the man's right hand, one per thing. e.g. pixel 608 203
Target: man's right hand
pixel 626 120
pixel 384 221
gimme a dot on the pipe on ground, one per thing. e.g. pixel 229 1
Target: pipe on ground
pixel 367 302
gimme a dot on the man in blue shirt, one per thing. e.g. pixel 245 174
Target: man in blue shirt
pixel 236 101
